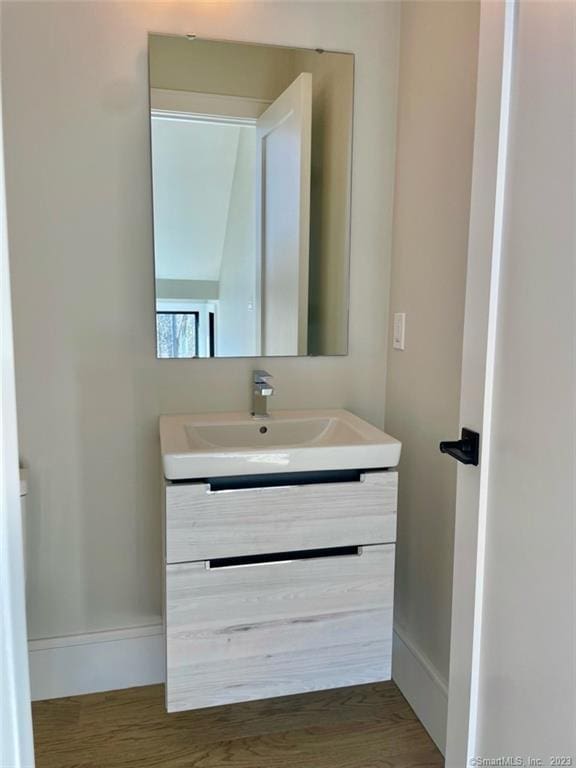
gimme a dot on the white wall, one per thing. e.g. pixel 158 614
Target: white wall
pixel 89 386
pixel 528 658
pixel 236 321
pixel 437 85
pixel 193 171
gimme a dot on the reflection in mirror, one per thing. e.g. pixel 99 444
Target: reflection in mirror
pixel 251 165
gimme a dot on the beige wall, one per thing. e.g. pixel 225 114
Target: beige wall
pixel 332 96
pixel 438 56
pixel 187 289
pixel 89 386
pixel 207 66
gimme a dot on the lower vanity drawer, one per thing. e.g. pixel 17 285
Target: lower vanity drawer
pixel 236 632
pixel 202 523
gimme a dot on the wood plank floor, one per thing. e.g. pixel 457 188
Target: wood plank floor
pixel 368 726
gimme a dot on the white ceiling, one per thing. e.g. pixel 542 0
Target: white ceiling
pixel 193 166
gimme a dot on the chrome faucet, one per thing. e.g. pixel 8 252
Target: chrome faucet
pixel 261 391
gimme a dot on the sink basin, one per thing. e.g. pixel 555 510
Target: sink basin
pixel 227 444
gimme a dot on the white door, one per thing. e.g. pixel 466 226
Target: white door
pixel 482 281
pixel 283 155
pixel 512 684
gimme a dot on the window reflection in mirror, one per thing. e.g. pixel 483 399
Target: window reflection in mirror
pixel 251 161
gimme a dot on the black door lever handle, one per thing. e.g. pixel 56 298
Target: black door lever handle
pixel 466 450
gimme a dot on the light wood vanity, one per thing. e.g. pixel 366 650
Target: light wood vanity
pixel 277 585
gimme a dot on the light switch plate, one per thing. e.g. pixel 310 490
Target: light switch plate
pixel 399 337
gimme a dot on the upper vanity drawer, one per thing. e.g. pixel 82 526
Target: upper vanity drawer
pixel 203 524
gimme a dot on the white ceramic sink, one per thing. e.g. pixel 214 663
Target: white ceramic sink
pixel 226 444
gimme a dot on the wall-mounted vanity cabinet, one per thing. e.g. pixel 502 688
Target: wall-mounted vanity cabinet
pixel 277 584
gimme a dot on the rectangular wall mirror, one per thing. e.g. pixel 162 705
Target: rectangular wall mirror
pixel 251 168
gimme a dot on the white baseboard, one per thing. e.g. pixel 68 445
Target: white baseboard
pixel 126 658
pixel 422 686
pixel 101 661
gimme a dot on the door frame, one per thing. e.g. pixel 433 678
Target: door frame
pixel 295 101
pixel 494 86
pixel 238 109
pixel 16 739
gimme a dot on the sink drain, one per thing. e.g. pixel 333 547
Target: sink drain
pixel 263 430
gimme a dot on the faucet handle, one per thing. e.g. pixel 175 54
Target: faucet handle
pixel 261 377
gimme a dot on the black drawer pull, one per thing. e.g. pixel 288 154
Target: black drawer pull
pixel 281 557
pixel 282 479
